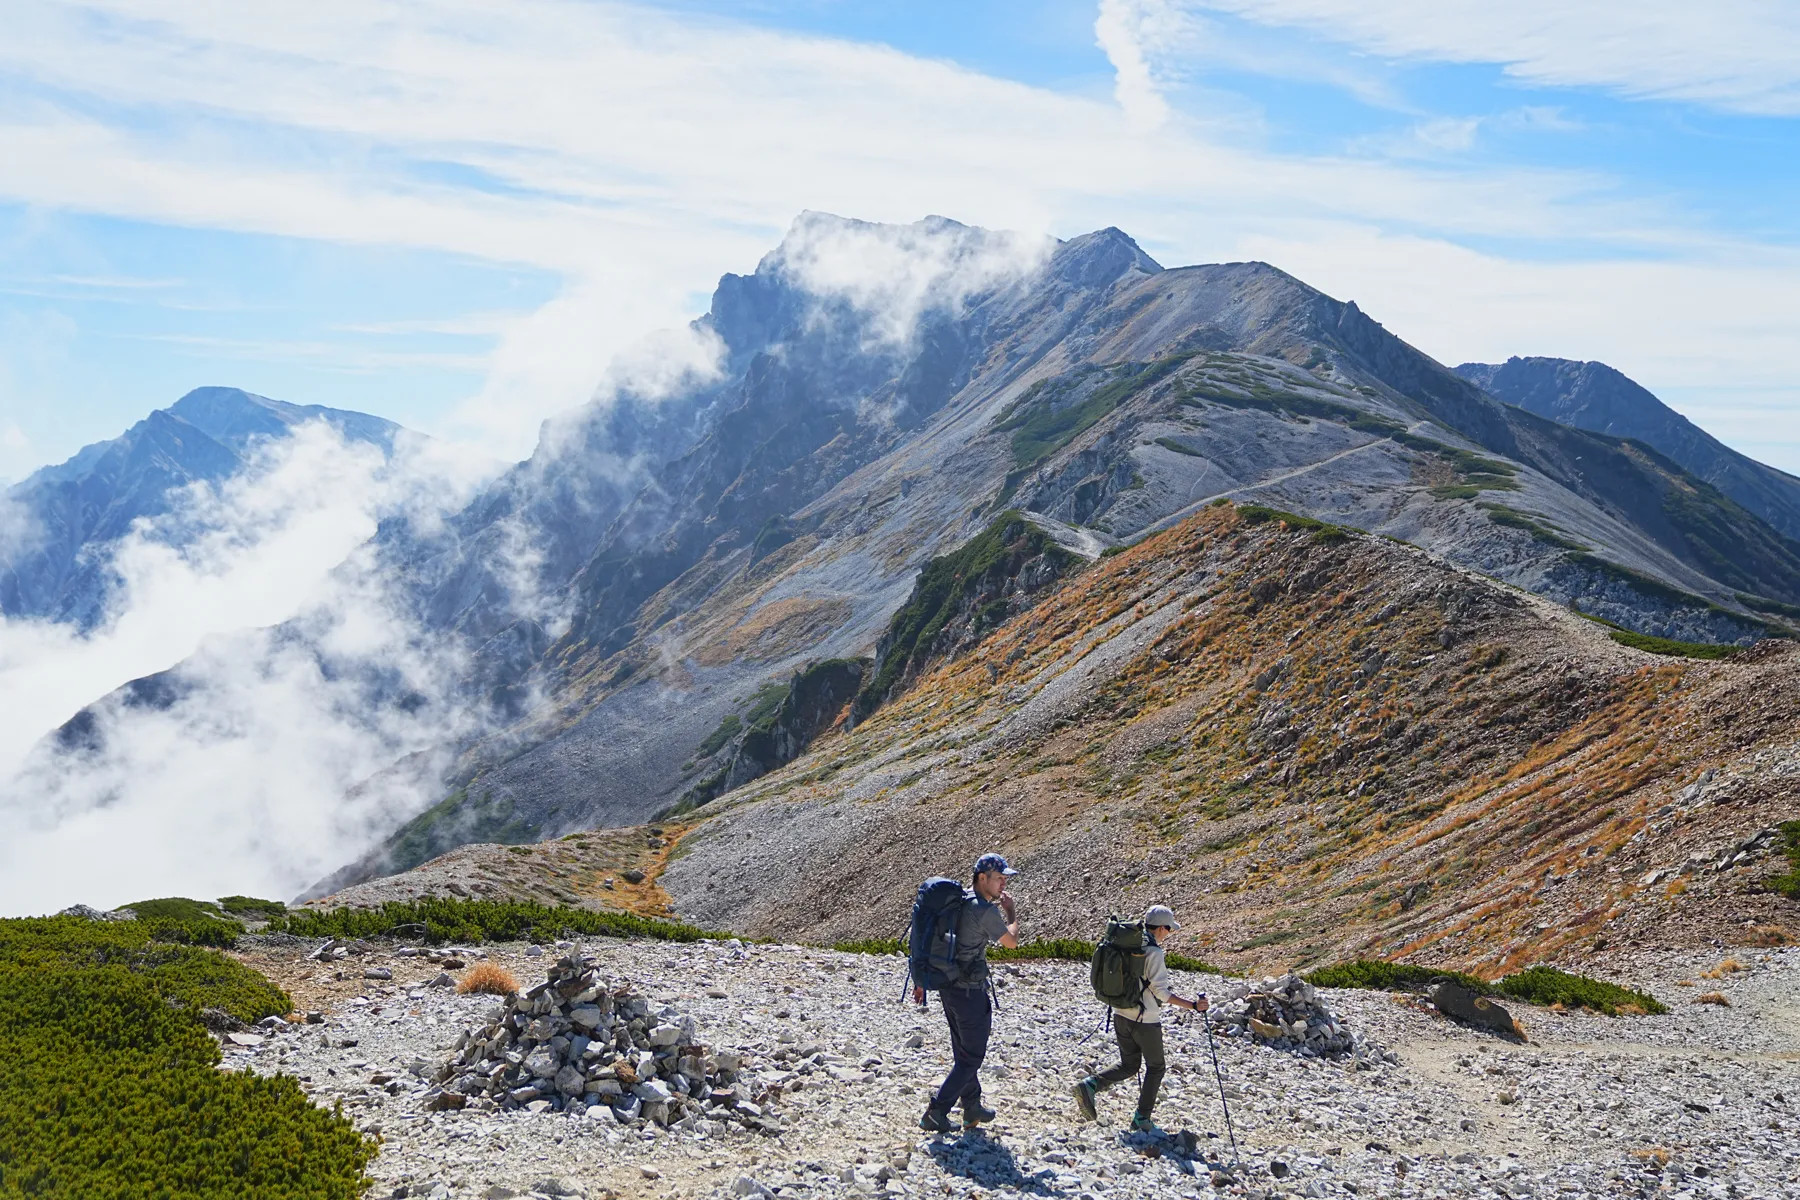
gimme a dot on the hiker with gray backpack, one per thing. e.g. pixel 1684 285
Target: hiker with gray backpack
pixel 1131 977
pixel 952 927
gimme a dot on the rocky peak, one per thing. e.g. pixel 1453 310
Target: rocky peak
pixel 235 417
pixel 1100 258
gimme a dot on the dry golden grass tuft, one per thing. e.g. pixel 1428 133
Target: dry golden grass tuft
pixel 1717 998
pixel 489 979
pixel 1723 969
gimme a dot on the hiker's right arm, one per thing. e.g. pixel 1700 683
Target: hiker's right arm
pixel 1004 930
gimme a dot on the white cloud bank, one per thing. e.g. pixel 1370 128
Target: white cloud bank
pixel 249 782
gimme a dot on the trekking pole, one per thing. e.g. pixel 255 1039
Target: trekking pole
pixel 1236 1157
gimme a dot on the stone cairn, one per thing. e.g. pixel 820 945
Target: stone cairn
pixel 1286 1011
pixel 576 1044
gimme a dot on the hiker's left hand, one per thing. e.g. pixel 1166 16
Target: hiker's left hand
pixel 1009 908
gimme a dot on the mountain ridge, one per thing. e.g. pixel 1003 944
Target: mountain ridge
pixel 862 469
pixel 1594 396
pixel 73 509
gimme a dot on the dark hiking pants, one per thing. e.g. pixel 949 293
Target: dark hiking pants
pixel 971 1020
pixel 1139 1042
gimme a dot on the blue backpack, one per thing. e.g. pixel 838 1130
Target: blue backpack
pixel 931 944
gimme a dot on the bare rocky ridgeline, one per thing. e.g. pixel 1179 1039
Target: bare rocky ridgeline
pixel 1699 1103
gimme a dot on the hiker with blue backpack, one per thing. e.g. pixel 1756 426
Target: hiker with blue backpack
pixel 1131 976
pixel 952 927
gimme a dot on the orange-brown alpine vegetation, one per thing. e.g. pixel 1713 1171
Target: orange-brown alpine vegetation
pixel 1315 745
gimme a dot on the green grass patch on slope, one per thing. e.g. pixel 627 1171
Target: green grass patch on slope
pixel 176 908
pixel 946 586
pixel 1671 647
pixel 1537 527
pixel 437 922
pixel 1772 607
pixel 457 820
pixel 1542 986
pixel 1788 882
pixel 715 741
pixel 1294 404
pixel 1040 428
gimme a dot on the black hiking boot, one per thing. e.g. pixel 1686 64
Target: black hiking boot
pixel 1084 1100
pixel 976 1113
pixel 936 1120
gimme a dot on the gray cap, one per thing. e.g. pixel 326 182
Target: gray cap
pixel 1160 914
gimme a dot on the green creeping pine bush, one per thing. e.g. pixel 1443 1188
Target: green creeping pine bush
pixel 1256 514
pixel 1375 976
pixel 1788 883
pixel 1547 986
pixel 250 906
pixel 185 975
pixel 1536 985
pixel 441 921
pixel 1764 604
pixel 176 908
pixel 1065 949
pixel 1671 647
pixel 107 1093
pixel 1661 645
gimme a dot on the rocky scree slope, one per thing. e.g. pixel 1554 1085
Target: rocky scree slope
pixel 1592 395
pixel 1323 745
pixel 688 552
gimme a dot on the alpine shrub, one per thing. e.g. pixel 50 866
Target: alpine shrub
pixel 437 922
pixel 1547 986
pixel 183 974
pixel 1788 882
pixel 1536 985
pixel 108 1093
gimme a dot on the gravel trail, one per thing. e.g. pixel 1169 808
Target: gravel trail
pixel 1702 1102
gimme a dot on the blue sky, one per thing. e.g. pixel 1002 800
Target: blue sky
pixel 455 215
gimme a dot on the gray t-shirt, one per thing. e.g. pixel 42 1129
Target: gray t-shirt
pixel 981 923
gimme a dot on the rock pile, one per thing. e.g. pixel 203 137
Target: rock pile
pixel 1284 1009
pixel 575 1043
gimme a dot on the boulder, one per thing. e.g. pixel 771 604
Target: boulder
pixel 1460 1004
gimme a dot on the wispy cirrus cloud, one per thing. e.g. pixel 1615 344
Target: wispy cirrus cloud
pixel 1738 55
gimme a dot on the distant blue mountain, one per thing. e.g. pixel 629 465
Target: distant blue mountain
pixel 70 512
pixel 1592 395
